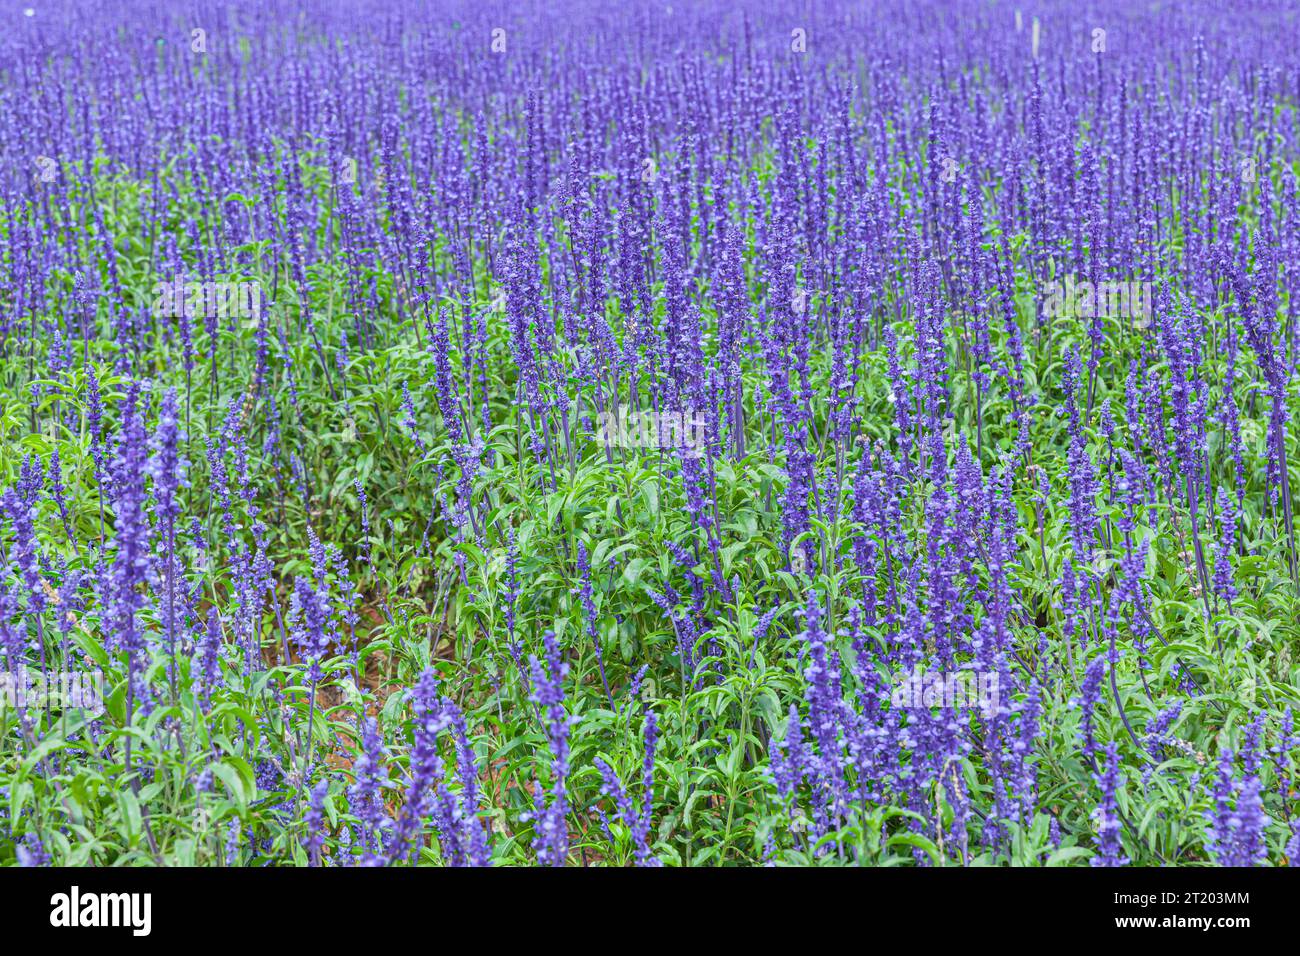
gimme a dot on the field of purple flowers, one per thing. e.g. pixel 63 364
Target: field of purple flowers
pixel 620 434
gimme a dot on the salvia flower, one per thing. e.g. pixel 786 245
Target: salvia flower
pixel 551 839
pixel 1109 850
